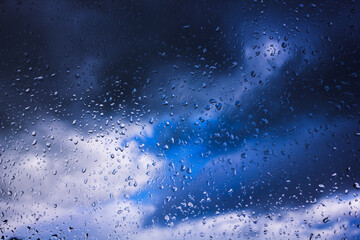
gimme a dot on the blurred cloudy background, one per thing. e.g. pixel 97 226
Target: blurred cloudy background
pixel 179 119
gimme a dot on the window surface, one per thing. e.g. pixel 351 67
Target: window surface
pixel 179 119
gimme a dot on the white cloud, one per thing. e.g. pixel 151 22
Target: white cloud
pixel 65 173
pixel 287 224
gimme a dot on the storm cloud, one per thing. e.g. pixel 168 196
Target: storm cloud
pixel 190 120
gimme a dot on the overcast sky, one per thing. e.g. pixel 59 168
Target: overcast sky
pixel 179 119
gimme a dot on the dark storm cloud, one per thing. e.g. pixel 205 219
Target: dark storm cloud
pixel 95 48
pixel 90 46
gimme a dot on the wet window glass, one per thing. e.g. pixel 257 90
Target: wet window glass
pixel 179 119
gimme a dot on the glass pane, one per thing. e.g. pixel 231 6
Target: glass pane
pixel 179 120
